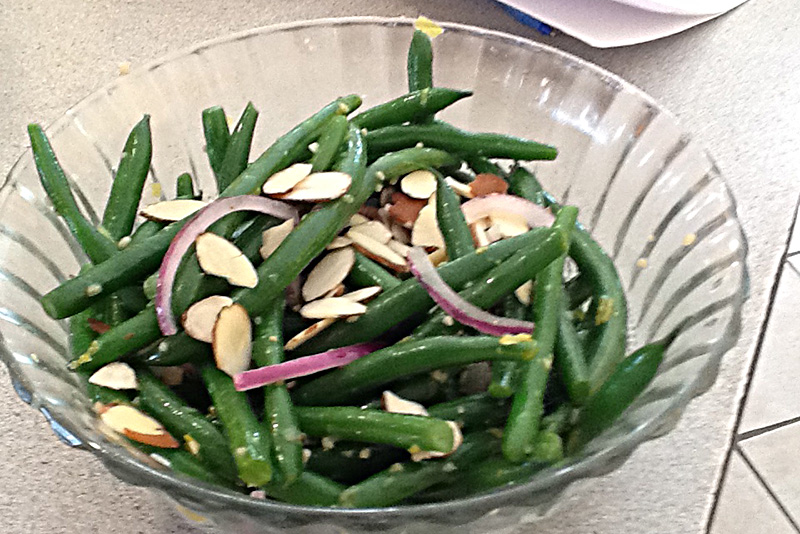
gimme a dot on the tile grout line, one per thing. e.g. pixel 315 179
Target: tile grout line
pixel 750 372
pixel 766 429
pixel 768 489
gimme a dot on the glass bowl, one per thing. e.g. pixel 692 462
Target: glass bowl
pixel 645 188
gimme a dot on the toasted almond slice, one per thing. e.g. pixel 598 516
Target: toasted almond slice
pixel 419 184
pixel 508 224
pixel 377 251
pixel 375 230
pixel 358 218
pixel 400 233
pixel 405 209
pixel 328 273
pixel 399 247
pixel 479 233
pixel 334 307
pixel 319 187
pixel 426 230
pixel 308 333
pixel 438 256
pixel 220 257
pixel 172 210
pixel 494 234
pixel 163 441
pixel 199 319
pixel 283 181
pixel 169 375
pixel 460 188
pixel 363 294
pixel 458 439
pixel 231 340
pixel 339 242
pixel 337 291
pixel 274 236
pixel 524 291
pixel 121 417
pixel 486 184
pixel 393 403
pixel 116 375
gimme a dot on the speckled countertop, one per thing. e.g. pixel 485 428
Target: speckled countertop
pixel 734 82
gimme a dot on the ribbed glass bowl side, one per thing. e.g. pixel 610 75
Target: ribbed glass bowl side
pixel 649 194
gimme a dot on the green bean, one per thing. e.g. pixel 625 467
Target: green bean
pixel 97 246
pixel 524 184
pixel 139 330
pixel 178 350
pixel 330 141
pixel 570 361
pixel 424 389
pixel 184 462
pixel 401 481
pixel 135 262
pixel 237 152
pixel 184 187
pixel 411 432
pixel 215 128
pixel 411 107
pixel 181 419
pixel 126 190
pixel 279 418
pixel 366 272
pixel 557 421
pixel 249 444
pixel 310 489
pixel 145 231
pixel 500 281
pixel 350 462
pixel 577 291
pixel 604 406
pixel 504 374
pixel 482 165
pixel 401 162
pixel 452 224
pixel 408 358
pixel 446 137
pixel 420 62
pixel 519 437
pixel 409 298
pixel 474 412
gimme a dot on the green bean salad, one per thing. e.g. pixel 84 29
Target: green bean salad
pixel 373 312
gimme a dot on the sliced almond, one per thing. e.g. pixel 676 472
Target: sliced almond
pixel 400 233
pixel 231 340
pixel 524 291
pixel 283 181
pixel 330 308
pixel 486 184
pixel 479 233
pixel 363 294
pixel 393 403
pixel 399 247
pixel 172 210
pixel 377 251
pixel 319 187
pixel 508 224
pixel 138 426
pixel 460 188
pixel 426 230
pixel 328 273
pixel 222 258
pixel 308 333
pixel 337 291
pixel 458 439
pixel 405 209
pixel 199 319
pixel 339 242
pixel 419 184
pixel 438 256
pixel 274 236
pixel 358 218
pixel 170 375
pixel 375 230
pixel 494 234
pixel 116 375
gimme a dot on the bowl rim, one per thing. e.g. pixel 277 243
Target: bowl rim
pixel 582 467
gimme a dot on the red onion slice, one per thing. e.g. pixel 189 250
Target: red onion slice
pixel 304 366
pixel 186 237
pixel 480 207
pixel 455 306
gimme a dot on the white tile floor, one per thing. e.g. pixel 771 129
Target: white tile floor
pixel 760 491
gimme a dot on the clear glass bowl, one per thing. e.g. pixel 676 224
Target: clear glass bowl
pixel 645 188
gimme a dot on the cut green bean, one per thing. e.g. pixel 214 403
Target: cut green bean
pixel 184 462
pixel 237 151
pixel 452 224
pixel 577 291
pixel 97 246
pixel 350 462
pixel 279 418
pixel 504 374
pixel 184 187
pixel 475 412
pixel 408 358
pixel 126 189
pixel 446 137
pixel 366 273
pixel 570 360
pixel 329 144
pixel 310 489
pixel 215 128
pixel 411 107
pixel 413 432
pixel 248 443
pixel 482 165
pixel 420 62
